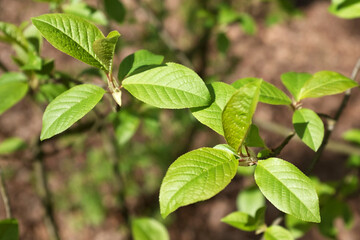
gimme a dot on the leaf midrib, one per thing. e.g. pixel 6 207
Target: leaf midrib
pixel 172 88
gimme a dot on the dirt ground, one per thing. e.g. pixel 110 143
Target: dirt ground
pixel 317 41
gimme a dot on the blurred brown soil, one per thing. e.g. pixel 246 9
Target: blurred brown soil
pixel 317 41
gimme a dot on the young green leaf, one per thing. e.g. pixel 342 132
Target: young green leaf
pixel 12 34
pixel 238 112
pixel 288 189
pixel 138 59
pixel 294 82
pixel 9 229
pixel 253 138
pixel 104 48
pixel 171 86
pixel 211 115
pixel 247 23
pixel 268 93
pixel 115 10
pixel 72 35
pixel 326 83
pixel 196 176
pixel 309 127
pixel 241 220
pixel 11 145
pixel 244 221
pixel 85 11
pixel 69 107
pixel 250 200
pixel 148 229
pixel 276 233
pixel 13 87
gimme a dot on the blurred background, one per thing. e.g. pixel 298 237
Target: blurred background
pixel 107 169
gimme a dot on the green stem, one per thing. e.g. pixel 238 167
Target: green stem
pixel 276 151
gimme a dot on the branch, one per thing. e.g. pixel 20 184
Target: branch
pixel 334 146
pixel 44 192
pixel 277 151
pixel 331 123
pixel 5 196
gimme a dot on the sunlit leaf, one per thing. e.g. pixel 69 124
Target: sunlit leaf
pixel 171 86
pixel 69 107
pixel 196 176
pixel 288 189
pixel 238 112
pixel 72 35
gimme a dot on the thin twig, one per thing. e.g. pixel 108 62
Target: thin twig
pixel 44 193
pixel 276 151
pixel 5 196
pixel 331 123
pixel 334 146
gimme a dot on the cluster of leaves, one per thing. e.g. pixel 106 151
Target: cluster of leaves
pixel 227 109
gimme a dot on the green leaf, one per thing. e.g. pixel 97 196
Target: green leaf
pixel 13 87
pixel 244 221
pixel 347 9
pixel 11 145
pixel 250 200
pixel 115 10
pixel 85 11
pixel 13 34
pixel 352 135
pixel 104 48
pixel 294 82
pixel 227 148
pixel 222 42
pixel 296 227
pixel 138 59
pixel 240 220
pixel 309 127
pixel 72 35
pixel 69 107
pixel 247 23
pixel 148 229
pixel 170 86
pixel 288 189
pixel 238 112
pixel 196 176
pixel 268 93
pixel 126 124
pixel 211 115
pixel 326 83
pixel 332 210
pixel 253 138
pixel 9 229
pixel 276 233
pixel 49 91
